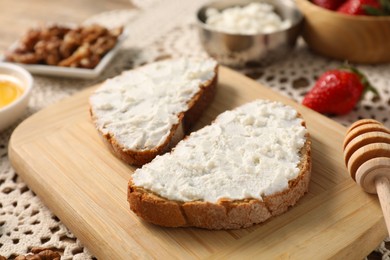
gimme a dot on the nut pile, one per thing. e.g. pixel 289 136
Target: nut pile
pixel 37 253
pixel 81 47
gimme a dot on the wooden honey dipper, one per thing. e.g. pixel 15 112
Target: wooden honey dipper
pixel 367 157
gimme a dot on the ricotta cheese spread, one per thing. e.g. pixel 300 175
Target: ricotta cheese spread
pixel 139 107
pixel 253 18
pixel 248 152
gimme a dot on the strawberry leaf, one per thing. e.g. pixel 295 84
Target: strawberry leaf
pixel 382 10
pixel 384 7
pixel 363 79
pixel 369 10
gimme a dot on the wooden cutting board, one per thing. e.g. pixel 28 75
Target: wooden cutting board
pixel 58 153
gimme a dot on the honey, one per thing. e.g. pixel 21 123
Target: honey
pixel 10 90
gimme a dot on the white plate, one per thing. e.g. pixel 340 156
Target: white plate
pixel 75 72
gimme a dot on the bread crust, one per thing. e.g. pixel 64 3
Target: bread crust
pixel 225 214
pixel 187 119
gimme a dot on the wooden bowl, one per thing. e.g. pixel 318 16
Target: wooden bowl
pixel 360 39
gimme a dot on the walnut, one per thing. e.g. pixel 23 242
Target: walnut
pixel 46 254
pixel 103 45
pixel 40 253
pixel 20 56
pixel 53 31
pixel 93 32
pixel 71 41
pixel 89 62
pixel 82 47
pixel 82 52
pixel 29 40
pixel 49 50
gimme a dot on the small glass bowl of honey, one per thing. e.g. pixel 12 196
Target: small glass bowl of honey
pixel 15 90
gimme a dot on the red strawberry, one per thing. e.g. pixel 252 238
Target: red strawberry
pixel 337 91
pixel 358 7
pixel 329 4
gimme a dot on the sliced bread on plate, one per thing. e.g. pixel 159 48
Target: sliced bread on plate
pixel 250 164
pixel 144 112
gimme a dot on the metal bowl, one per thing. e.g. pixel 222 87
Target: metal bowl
pixel 238 50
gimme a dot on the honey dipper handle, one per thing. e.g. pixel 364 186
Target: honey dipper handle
pixel 383 189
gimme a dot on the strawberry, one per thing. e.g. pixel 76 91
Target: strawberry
pixel 337 91
pixel 328 4
pixel 359 7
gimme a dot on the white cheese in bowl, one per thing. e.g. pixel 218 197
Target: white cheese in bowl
pixel 253 18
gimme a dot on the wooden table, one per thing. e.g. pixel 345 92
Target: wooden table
pixel 18 15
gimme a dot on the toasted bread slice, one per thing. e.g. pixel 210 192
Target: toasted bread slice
pixel 144 112
pixel 250 164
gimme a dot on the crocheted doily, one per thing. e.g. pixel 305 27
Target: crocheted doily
pixel 25 222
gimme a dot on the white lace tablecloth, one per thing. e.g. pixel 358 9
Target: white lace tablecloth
pixel 158 30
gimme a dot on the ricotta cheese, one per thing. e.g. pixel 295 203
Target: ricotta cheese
pixel 139 107
pixel 251 151
pixel 253 18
